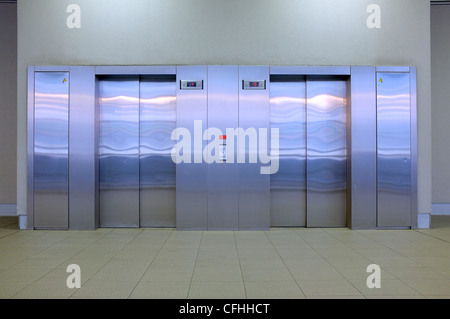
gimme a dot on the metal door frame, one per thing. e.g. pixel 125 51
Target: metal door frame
pixel 361 78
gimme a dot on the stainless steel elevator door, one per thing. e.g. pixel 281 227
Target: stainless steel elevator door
pixel 157 170
pixel 393 150
pixel 326 172
pixel 51 150
pixel 288 185
pixel 119 151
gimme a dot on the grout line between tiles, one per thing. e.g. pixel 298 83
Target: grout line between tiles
pixel 282 259
pixel 371 259
pixel 159 250
pixel 51 268
pixel 195 264
pixel 240 266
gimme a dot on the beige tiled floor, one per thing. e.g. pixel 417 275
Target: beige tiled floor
pixel 280 263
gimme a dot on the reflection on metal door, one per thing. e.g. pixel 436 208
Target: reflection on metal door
pixel 157 170
pixel 288 185
pixel 326 141
pixel 393 150
pixel 119 152
pixel 310 187
pixel 51 150
pixel 223 177
pixel 137 175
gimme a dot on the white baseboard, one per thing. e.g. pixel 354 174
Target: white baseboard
pixel 423 221
pixel 440 209
pixel 8 210
pixel 22 221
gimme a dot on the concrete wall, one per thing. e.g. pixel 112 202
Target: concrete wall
pixel 8 107
pixel 440 97
pixel 268 32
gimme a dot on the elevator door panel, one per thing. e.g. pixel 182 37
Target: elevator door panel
pixel 288 185
pixel 326 152
pixel 254 187
pixel 223 175
pixel 51 150
pixel 393 150
pixel 157 170
pixel 119 152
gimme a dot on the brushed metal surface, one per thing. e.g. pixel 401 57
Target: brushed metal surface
pixel 51 150
pixel 326 172
pixel 254 187
pixel 393 150
pixel 223 176
pixel 82 150
pixel 191 178
pixel 157 170
pixel 30 148
pixel 119 151
pixel 288 185
pixel 363 156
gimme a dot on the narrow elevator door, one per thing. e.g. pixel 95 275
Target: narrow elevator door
pixel 288 185
pixel 310 187
pixel 136 173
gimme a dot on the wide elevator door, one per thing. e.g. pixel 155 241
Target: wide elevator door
pixel 136 173
pixel 310 187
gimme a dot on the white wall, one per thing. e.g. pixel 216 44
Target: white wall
pixel 8 102
pixel 440 93
pixel 268 32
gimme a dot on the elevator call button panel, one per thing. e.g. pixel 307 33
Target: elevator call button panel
pixel 254 85
pixel 191 85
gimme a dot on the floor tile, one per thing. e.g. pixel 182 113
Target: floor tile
pixel 262 263
pixel 312 269
pixel 430 286
pixel 40 262
pixel 267 274
pixel 273 289
pixel 327 288
pixel 395 297
pixel 298 252
pixel 86 261
pixel 217 290
pixel 221 254
pixel 388 287
pixel 118 274
pixel 60 275
pixel 9 289
pixel 248 253
pixel 217 262
pixel 27 274
pixel 315 263
pixel 161 290
pixel 384 261
pixel 119 289
pixel 411 272
pixel 432 261
pixel 360 272
pixel 168 274
pixel 217 274
pixel 40 290
pixel 336 297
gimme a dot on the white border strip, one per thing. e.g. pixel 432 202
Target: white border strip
pixel 8 210
pixel 440 209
